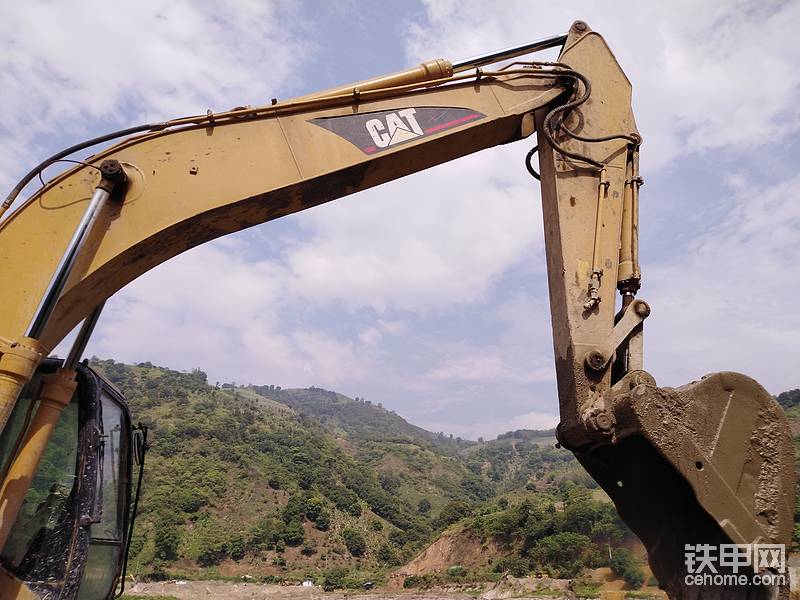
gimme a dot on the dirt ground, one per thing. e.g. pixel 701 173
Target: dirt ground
pixel 218 590
pixel 508 588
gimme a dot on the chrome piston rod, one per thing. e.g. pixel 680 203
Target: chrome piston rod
pixel 112 174
pixel 79 345
pixel 508 53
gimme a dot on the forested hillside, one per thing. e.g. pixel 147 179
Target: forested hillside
pixel 288 484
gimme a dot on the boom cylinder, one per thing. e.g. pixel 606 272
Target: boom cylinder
pixel 19 362
pixel 427 71
pixel 112 173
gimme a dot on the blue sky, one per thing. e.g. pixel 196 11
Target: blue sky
pixel 429 294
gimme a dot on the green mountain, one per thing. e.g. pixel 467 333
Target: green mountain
pixel 289 484
pixel 358 419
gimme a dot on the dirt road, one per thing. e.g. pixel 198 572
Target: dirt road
pixel 219 590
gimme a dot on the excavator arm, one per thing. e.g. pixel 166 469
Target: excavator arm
pixel 708 463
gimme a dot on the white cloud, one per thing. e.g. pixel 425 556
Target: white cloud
pixel 66 65
pixel 214 309
pixel 706 75
pixel 431 241
pixel 728 302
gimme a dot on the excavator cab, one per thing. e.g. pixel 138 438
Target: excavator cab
pixel 71 534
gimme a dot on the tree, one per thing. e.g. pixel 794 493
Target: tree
pixel 334 579
pixel 517 566
pixel 166 538
pixel 625 564
pixel 354 540
pixel 579 517
pixel 389 481
pixel 565 554
pixel 323 520
pixel 295 509
pixel 386 554
pixel 314 506
pixel 424 506
pixel 789 399
pixel 293 533
pixel 452 512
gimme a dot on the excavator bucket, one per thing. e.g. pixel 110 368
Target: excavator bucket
pixel 710 463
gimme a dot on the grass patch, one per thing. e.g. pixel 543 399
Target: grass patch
pixel 640 595
pixel 587 590
pixel 545 594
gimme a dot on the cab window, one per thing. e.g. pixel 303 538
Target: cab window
pixel 107 535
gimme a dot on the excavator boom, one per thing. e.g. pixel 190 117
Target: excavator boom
pixel 709 463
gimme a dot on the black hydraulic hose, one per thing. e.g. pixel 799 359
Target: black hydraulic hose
pixel 67 151
pixel 145 448
pixel 564 109
pixel 529 165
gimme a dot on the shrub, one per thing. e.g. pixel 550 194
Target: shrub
pixel 333 579
pixel 386 554
pixel 293 534
pixel 235 547
pixel 354 540
pixel 309 548
pixel 456 571
pixel 419 581
pixel 323 520
pixel 625 564
pixel 565 554
pixel 166 538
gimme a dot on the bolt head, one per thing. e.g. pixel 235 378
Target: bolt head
pixel 599 422
pixel 642 308
pixel 580 26
pixel 603 421
pixel 595 360
pixel 111 170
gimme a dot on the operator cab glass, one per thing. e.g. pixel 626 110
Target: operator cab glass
pixel 75 512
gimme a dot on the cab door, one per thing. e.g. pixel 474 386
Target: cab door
pixel 109 528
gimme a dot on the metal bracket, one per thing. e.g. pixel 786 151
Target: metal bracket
pixel 597 358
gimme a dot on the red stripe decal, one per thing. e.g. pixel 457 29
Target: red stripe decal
pixel 453 123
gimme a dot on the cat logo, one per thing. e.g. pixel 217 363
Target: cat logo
pixel 399 126
pixel 374 132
